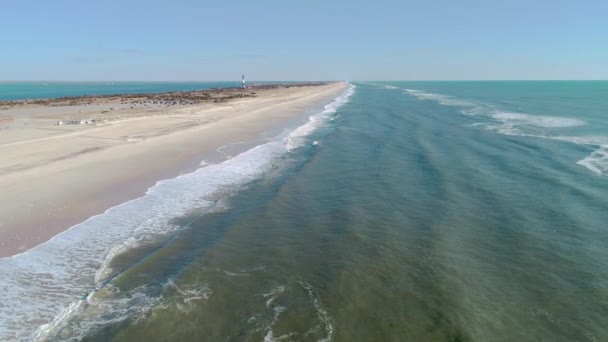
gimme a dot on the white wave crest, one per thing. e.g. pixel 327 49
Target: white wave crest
pixel 43 287
pixel 441 99
pixel 597 161
pixel 322 314
pixel 528 125
pixel 296 138
pixel 520 119
pixel 323 324
pixel 273 294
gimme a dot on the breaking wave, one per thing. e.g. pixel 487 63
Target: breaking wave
pixel 295 139
pixel 523 124
pixel 442 99
pixel 46 286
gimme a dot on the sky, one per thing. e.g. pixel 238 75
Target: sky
pixel 201 40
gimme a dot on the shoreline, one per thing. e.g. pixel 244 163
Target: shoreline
pixel 54 182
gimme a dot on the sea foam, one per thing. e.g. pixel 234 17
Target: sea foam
pixel 536 120
pixel 295 139
pixel 322 325
pixel 44 287
pixel 597 161
pixel 528 125
pixel 442 99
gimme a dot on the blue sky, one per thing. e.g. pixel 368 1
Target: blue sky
pixel 303 40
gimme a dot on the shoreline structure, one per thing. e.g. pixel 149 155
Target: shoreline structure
pixel 56 176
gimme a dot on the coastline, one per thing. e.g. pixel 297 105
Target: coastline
pixel 49 178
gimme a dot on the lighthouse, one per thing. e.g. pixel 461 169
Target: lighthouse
pixel 243 82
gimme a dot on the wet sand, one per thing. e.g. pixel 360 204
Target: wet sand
pixel 55 176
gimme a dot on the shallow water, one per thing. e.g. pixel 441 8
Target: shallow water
pixel 418 211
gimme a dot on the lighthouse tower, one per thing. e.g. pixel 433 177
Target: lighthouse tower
pixel 243 82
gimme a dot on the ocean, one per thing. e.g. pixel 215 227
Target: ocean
pixel 402 211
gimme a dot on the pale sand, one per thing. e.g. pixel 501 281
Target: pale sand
pixel 53 177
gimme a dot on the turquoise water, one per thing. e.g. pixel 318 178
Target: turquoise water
pixel 41 90
pixel 411 211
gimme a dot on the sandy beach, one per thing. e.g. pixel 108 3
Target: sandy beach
pixel 54 176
